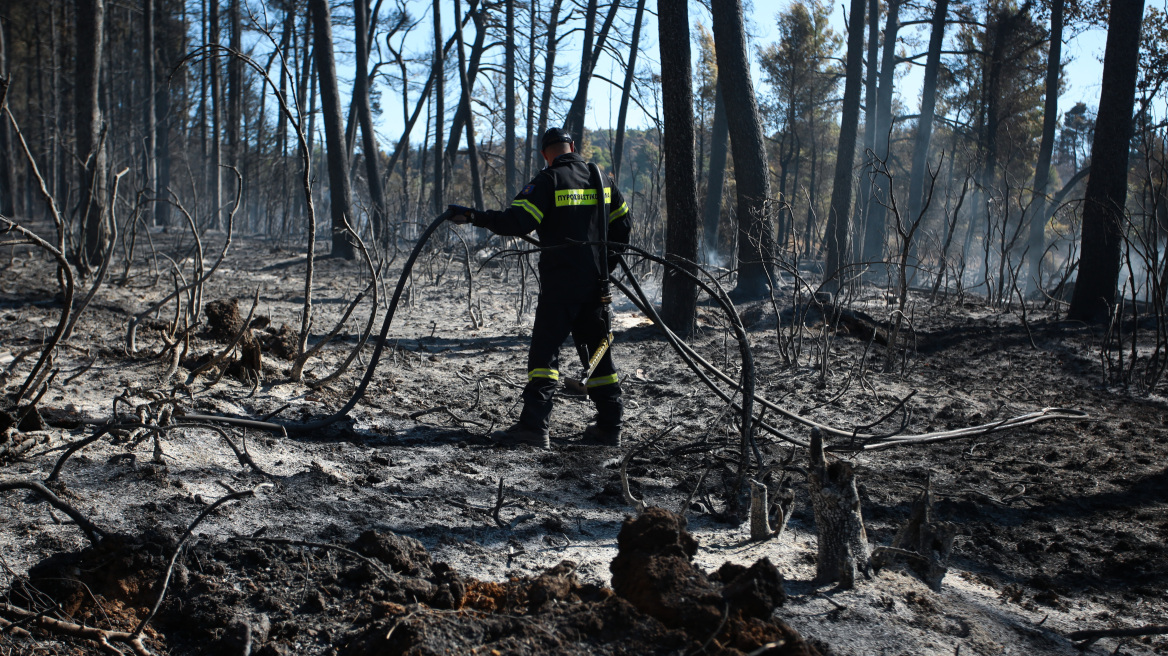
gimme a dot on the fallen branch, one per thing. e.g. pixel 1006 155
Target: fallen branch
pixel 1088 637
pixel 102 637
pixel 243 457
pixel 95 534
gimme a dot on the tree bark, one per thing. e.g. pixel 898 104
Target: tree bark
pixel 88 121
pixel 837 232
pixel 509 101
pixel 755 238
pixel 590 54
pixel 340 193
pixel 549 72
pixel 678 292
pixel 364 116
pixel 719 140
pixel 874 227
pixel 1037 209
pixel 924 133
pixel 1106 196
pixel 439 108
pixel 618 147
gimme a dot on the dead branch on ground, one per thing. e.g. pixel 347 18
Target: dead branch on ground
pixel 91 530
pixel 102 637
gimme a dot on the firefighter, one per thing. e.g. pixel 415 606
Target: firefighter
pixel 560 206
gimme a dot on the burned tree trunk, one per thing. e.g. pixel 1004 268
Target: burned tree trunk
pixel 340 192
pixel 90 146
pixel 626 91
pixel 752 184
pixel 678 293
pixel 365 117
pixel 927 544
pixel 843 543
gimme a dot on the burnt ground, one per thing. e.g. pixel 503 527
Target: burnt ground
pixel 1061 525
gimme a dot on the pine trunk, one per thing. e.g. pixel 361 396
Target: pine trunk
pixel 1103 207
pixel 837 233
pixel 340 193
pixel 755 238
pixel 678 292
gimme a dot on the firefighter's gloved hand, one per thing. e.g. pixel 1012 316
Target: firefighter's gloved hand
pixel 459 214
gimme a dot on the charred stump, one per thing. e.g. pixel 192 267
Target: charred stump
pixel 843 543
pixel 926 544
pixel 768 518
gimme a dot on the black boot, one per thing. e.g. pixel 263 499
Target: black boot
pixel 519 434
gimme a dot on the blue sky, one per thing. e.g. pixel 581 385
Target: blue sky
pixel 1082 57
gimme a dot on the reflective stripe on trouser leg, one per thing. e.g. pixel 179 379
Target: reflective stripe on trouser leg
pixel 552 325
pixel 604 385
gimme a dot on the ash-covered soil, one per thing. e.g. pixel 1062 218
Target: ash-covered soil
pixel 1061 525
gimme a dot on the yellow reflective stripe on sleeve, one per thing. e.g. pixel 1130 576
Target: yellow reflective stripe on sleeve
pixel 530 207
pixel 618 212
pixel 543 373
pixel 599 381
pixel 565 197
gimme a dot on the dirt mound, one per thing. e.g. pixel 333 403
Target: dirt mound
pixel 223 319
pixel 109 580
pixel 653 570
pixel 280 342
pixel 660 604
pixel 383 594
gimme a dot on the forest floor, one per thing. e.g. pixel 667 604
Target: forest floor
pixel 1061 525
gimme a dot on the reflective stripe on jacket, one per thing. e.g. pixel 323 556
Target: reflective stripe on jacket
pixel 559 205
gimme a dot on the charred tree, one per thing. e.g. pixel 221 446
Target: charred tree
pixel 719 142
pixel 471 66
pixel 213 173
pixel 842 540
pixel 1037 209
pixel 340 193
pixel 755 238
pixel 839 214
pixel 874 227
pixel 439 108
pixel 6 188
pixel 90 129
pixel 1106 196
pixel 365 117
pixel 678 292
pixel 471 146
pixel 509 101
pixel 626 91
pixel 590 54
pixel 149 115
pixel 924 132
pixel 549 71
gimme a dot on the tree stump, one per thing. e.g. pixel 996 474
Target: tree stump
pixel 769 518
pixel 843 543
pixel 925 543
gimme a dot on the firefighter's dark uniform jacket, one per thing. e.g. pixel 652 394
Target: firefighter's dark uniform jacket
pixel 560 207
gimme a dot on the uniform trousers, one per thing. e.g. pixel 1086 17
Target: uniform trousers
pixel 555 319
